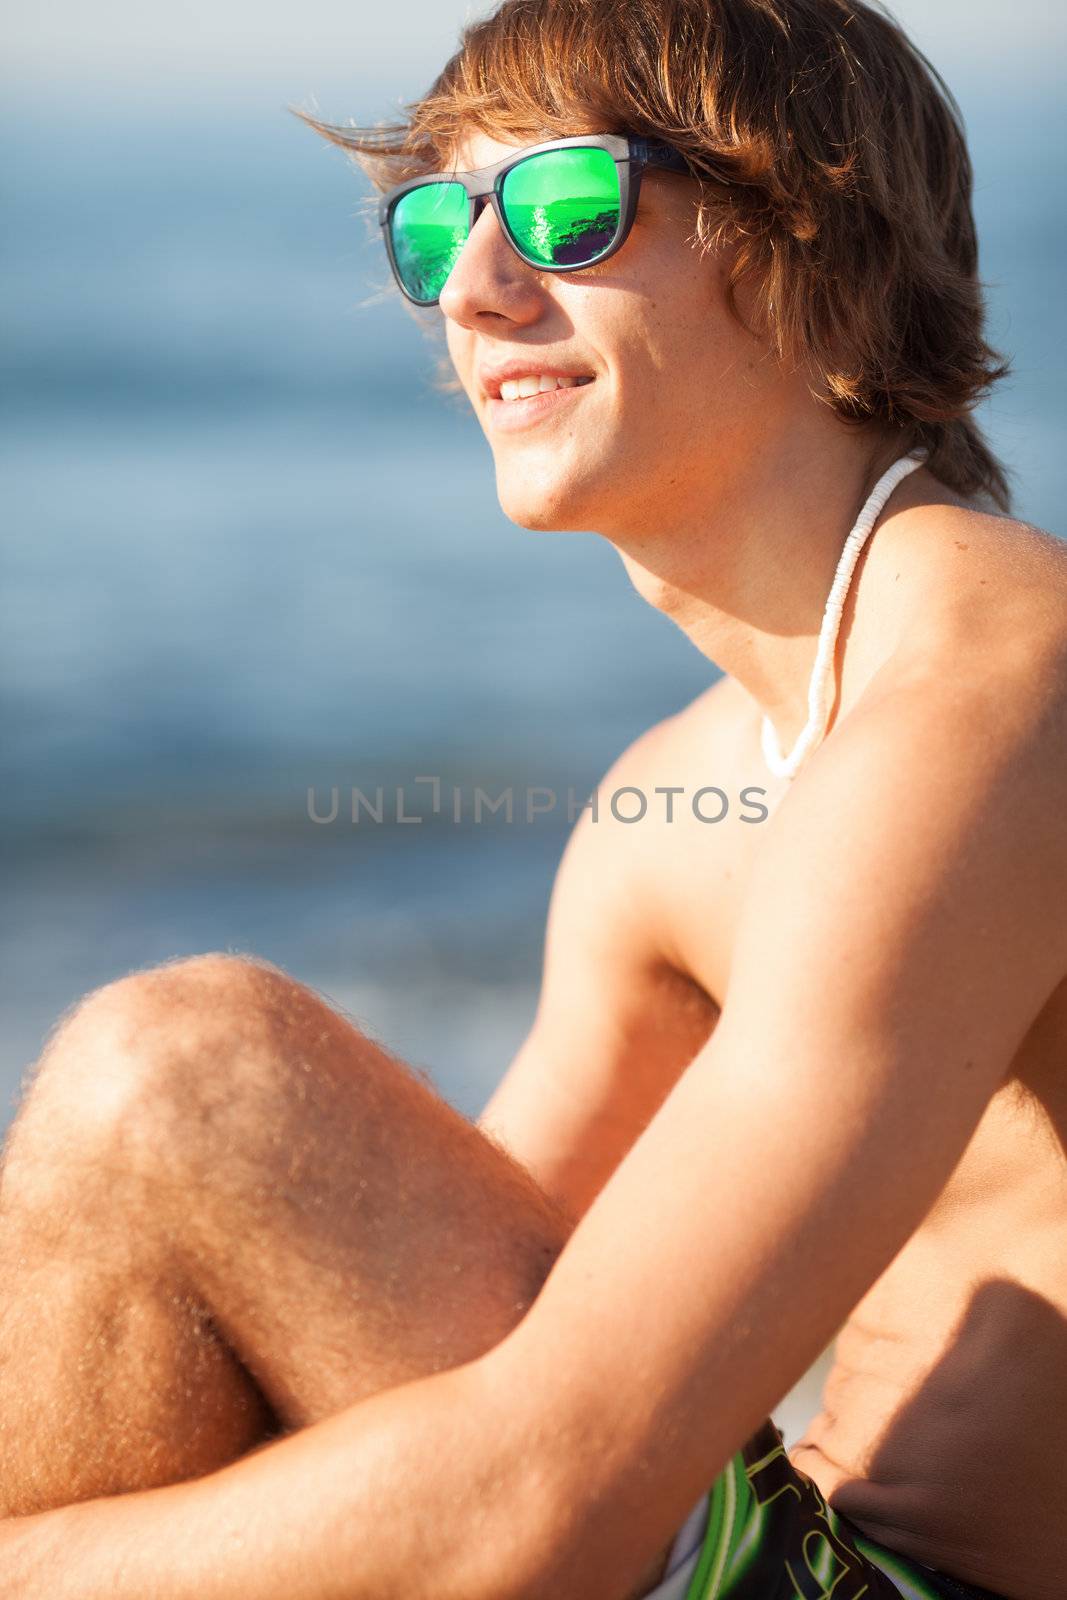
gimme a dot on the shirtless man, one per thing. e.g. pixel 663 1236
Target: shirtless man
pixel 276 1322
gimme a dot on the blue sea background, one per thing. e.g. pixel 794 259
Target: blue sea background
pixel 248 551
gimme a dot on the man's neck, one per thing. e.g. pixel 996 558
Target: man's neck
pixel 747 576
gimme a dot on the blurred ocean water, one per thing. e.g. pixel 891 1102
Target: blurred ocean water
pixel 248 550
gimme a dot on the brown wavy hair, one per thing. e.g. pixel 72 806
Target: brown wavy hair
pixel 848 191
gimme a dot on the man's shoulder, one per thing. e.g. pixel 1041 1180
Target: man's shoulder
pixel 989 711
pixel 951 768
pixel 997 565
pixel 980 667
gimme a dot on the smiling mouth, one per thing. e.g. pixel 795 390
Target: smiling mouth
pixel 512 389
pixel 526 410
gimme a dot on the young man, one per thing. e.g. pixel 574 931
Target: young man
pixel 785 1077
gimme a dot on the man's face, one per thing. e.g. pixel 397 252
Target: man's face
pixel 682 395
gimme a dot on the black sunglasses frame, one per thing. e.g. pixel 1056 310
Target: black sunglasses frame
pixel 632 156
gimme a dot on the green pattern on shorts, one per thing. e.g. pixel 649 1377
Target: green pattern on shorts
pixel 912 1585
pixel 770 1535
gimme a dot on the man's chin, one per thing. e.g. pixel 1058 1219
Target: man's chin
pixel 539 507
pixel 537 520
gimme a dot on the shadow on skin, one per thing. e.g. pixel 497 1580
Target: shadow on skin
pixel 963 1469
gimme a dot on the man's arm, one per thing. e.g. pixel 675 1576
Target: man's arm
pixel 902 930
pixel 617 1022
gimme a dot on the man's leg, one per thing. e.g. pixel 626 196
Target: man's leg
pixel 225 1212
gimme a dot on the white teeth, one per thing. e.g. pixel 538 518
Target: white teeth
pixel 523 388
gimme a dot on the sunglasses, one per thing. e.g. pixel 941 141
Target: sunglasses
pixel 562 206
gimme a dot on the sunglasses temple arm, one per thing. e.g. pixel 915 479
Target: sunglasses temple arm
pixel 647 153
pixel 650 153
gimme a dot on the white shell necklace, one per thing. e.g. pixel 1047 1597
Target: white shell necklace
pixel 822 687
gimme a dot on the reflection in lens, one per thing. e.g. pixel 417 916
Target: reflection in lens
pixel 562 206
pixel 429 228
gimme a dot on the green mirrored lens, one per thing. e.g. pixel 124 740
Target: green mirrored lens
pixel 429 229
pixel 562 206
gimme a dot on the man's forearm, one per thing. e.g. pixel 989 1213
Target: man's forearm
pixel 420 1491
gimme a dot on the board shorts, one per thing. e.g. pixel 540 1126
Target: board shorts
pixel 764 1532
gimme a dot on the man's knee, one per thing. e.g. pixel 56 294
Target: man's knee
pixel 183 1048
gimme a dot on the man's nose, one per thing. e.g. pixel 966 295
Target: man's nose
pixel 489 277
